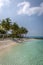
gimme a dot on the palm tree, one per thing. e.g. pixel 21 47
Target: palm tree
pixel 21 31
pixel 24 30
pixel 6 24
pixel 15 28
pixel 2 31
pixel 3 23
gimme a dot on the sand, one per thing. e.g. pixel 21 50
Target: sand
pixel 6 43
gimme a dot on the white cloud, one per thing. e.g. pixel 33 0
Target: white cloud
pixel 25 8
pixel 4 3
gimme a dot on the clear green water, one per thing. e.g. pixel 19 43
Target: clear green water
pixel 27 53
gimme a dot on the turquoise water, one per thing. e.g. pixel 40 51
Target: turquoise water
pixel 27 53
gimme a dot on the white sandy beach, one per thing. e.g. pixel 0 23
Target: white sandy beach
pixel 6 43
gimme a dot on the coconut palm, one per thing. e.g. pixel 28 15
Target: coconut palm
pixel 21 32
pixel 6 24
pixel 15 28
pixel 2 31
pixel 24 30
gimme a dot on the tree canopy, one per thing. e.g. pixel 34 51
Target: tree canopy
pixel 16 30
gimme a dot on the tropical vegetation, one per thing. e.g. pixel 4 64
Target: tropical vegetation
pixel 15 30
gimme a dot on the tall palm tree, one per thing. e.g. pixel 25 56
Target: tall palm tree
pixel 15 28
pixel 3 23
pixel 24 31
pixel 6 24
pixel 2 31
pixel 21 31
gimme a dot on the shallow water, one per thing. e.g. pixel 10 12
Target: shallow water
pixel 27 53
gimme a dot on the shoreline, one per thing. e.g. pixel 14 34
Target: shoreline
pixel 9 42
pixel 6 43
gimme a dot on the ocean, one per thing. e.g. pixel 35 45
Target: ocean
pixel 26 53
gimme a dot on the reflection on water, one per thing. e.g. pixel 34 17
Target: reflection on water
pixel 28 53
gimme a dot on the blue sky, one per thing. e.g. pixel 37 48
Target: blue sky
pixel 27 13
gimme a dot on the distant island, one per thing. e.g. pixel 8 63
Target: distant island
pixel 35 37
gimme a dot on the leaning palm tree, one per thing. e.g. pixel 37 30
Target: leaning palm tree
pixel 23 31
pixel 15 28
